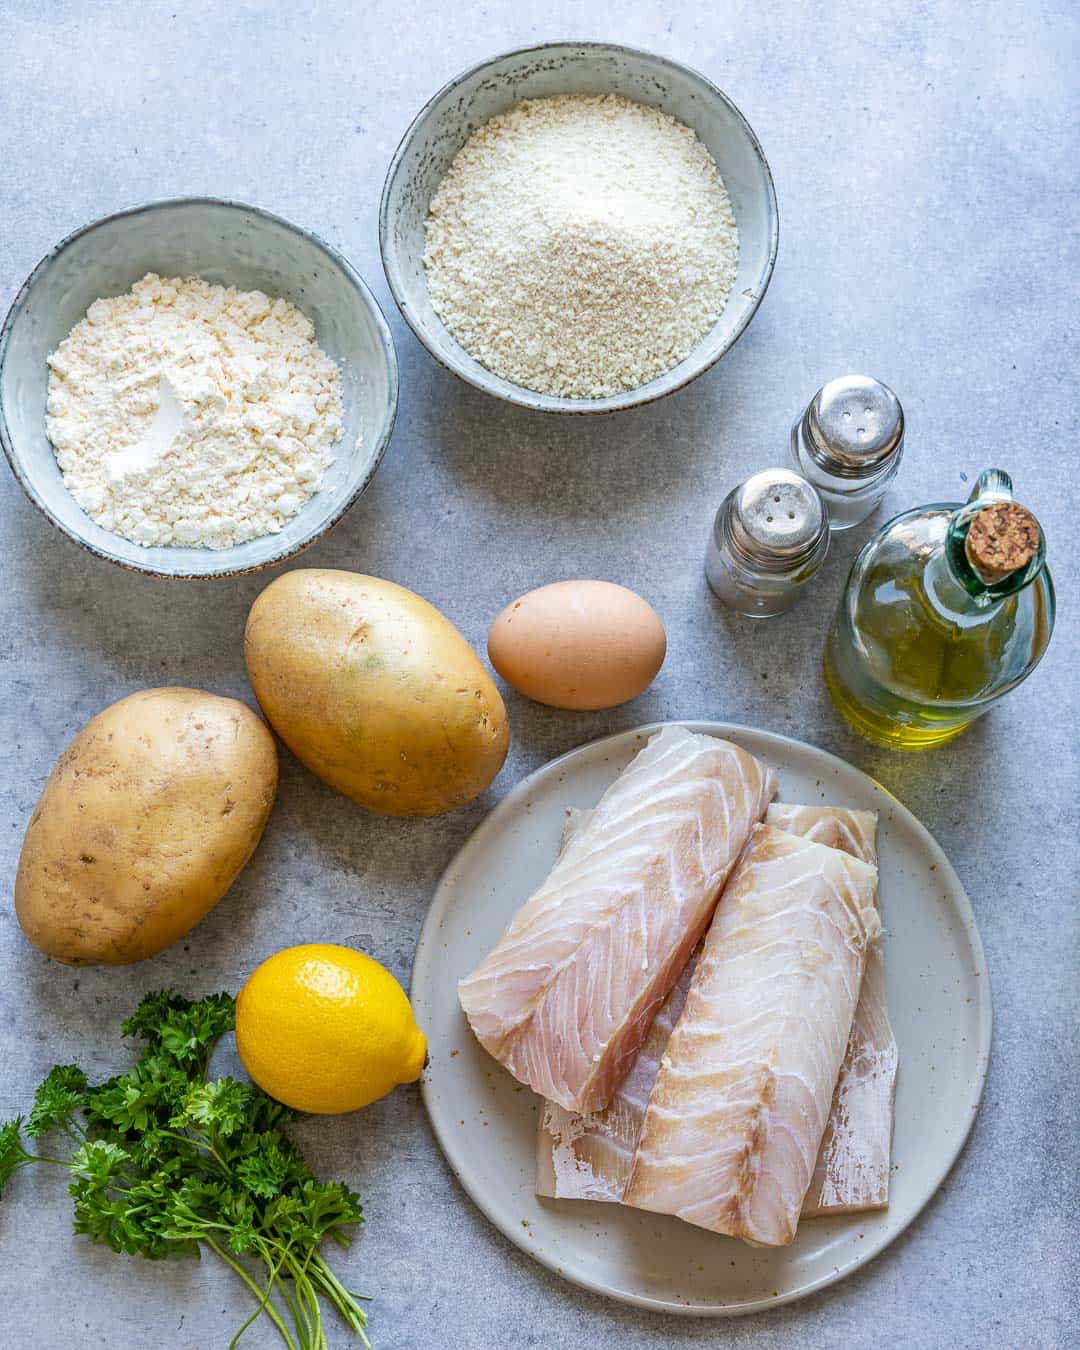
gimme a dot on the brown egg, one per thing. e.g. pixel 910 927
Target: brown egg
pixel 578 644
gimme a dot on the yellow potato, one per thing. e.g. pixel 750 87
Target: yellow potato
pixel 375 691
pixel 144 824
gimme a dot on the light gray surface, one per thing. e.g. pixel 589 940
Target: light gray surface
pixel 924 159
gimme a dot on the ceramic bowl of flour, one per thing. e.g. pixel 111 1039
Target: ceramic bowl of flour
pixel 228 244
pixel 448 120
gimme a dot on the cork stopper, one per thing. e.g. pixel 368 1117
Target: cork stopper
pixel 1003 537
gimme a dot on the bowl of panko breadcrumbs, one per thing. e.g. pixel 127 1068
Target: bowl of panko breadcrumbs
pixel 579 227
pixel 195 388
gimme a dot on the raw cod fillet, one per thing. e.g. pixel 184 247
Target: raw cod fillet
pixel 589 1157
pixel 853 1164
pixel 841 827
pixel 739 1107
pixel 569 993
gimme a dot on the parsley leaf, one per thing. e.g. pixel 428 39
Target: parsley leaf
pixel 270 1165
pixel 145 1022
pixel 221 1107
pixel 180 1030
pixel 57 1099
pixel 12 1153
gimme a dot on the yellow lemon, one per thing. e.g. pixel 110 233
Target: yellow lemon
pixel 326 1029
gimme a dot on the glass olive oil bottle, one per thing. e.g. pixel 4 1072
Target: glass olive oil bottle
pixel 946 609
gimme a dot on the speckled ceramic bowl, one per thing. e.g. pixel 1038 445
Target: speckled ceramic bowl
pixel 225 243
pixel 447 121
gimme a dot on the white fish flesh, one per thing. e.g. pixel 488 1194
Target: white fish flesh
pixel 567 996
pixel 855 1159
pixel 589 1157
pixel 841 827
pixel 739 1107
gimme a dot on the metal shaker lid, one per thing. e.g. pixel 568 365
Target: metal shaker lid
pixel 777 519
pixel 854 425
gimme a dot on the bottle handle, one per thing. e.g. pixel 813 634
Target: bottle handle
pixel 992 485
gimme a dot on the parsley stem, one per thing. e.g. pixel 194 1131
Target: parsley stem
pixel 294 1310
pixel 316 1274
pixel 343 1299
pixel 283 1286
pixel 69 1127
pixel 263 1302
pixel 305 1295
pixel 199 1143
pixel 271 1311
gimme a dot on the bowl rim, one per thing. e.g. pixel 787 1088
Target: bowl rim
pixel 518 394
pixel 382 328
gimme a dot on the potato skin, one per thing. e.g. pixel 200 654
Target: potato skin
pixel 375 691
pixel 146 820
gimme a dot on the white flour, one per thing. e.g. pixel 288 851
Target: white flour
pixel 192 414
pixel 581 245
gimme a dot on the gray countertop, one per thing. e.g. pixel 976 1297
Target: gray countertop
pixel 924 157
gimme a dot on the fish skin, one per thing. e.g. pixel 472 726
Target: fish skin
pixel 737 1113
pixel 589 1157
pixel 854 1163
pixel 568 994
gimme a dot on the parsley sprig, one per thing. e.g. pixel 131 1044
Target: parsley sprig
pixel 165 1162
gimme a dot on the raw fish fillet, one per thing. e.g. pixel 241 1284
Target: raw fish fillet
pixel 589 1157
pixel 841 827
pixel 569 993
pixel 738 1110
pixel 853 1165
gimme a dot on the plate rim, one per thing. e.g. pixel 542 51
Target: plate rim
pixel 427 942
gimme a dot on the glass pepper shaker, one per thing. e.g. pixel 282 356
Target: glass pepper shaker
pixel 768 540
pixel 848 443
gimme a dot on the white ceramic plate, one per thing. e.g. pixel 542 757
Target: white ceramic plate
pixel 939 1002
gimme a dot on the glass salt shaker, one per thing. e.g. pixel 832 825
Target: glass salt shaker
pixel 848 443
pixel 768 540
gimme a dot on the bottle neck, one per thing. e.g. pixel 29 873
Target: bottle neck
pixel 956 592
pixel 955 584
